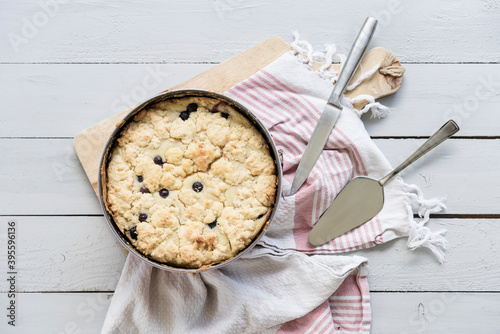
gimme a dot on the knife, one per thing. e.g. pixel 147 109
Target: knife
pixel 332 110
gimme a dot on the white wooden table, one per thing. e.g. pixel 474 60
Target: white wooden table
pixel 65 65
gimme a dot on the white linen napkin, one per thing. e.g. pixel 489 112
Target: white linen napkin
pixel 284 285
pixel 255 294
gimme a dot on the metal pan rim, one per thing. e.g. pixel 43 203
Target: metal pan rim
pixel 175 94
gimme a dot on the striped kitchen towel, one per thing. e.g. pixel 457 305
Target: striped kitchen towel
pixel 284 285
pixel 288 98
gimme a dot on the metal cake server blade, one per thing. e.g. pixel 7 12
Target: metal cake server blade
pixel 333 108
pixel 362 198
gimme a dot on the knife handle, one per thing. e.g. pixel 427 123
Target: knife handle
pixel 353 60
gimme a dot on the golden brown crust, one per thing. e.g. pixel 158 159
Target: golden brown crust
pixel 207 195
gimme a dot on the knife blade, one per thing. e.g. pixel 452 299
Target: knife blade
pixel 332 110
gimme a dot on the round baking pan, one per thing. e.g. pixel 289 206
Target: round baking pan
pixel 177 94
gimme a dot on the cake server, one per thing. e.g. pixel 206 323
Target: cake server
pixel 362 198
pixel 332 110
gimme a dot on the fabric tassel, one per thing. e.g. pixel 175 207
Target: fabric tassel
pixel 420 235
pixel 305 53
pixel 363 76
pixel 377 109
pixel 303 50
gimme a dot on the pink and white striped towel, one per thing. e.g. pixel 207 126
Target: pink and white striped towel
pixel 288 98
pixel 284 285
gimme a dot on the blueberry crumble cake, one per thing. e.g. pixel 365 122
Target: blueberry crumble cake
pixel 190 182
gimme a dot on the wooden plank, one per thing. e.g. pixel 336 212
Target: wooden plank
pixel 64 254
pixel 460 313
pixel 423 31
pixel 434 93
pixel 471 262
pixel 393 313
pixel 464 171
pixel 78 96
pixel 46 174
pixel 58 313
pixel 58 254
